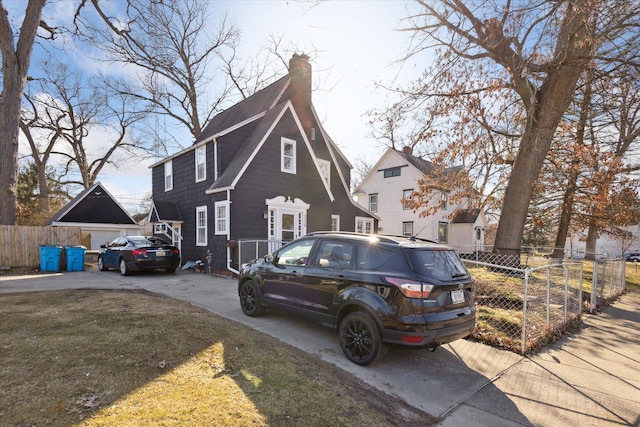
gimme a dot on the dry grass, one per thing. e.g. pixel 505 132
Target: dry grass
pixel 104 358
pixel 632 276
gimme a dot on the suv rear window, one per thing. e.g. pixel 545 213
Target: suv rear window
pixel 442 265
pixel 372 257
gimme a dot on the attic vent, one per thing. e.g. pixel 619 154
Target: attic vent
pixel 313 134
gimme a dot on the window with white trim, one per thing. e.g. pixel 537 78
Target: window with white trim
pixel 168 175
pixel 201 163
pixel 444 196
pixel 201 226
pixel 443 232
pixel 407 228
pixel 406 195
pixel 288 156
pixel 222 217
pixel 364 225
pixel 325 169
pixel 373 202
pixel 335 222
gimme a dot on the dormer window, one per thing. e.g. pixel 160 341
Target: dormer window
pixel 288 156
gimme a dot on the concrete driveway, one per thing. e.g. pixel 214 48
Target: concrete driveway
pixel 590 378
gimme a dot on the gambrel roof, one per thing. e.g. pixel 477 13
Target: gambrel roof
pixel 94 205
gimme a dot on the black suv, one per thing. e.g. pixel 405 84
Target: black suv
pixel 374 289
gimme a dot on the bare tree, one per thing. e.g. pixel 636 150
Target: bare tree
pixel 40 152
pixel 535 50
pixel 172 46
pixel 79 120
pixel 16 56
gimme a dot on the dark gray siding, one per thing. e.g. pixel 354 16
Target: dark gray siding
pixel 264 180
pixel 188 195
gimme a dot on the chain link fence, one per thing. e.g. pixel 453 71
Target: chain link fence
pixel 521 309
pixel 522 302
pixel 608 282
pixel 530 300
pixel 250 249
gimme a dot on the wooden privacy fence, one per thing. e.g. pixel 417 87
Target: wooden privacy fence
pixel 20 245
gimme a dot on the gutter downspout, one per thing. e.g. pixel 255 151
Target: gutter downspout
pixel 231 269
pixel 216 175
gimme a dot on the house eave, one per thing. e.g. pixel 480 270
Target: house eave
pixel 95 225
pixel 219 190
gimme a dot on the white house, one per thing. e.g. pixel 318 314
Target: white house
pixel 607 244
pixel 394 177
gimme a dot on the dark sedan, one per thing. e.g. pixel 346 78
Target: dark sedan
pixel 136 253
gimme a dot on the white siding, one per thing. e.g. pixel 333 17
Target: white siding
pixel 389 190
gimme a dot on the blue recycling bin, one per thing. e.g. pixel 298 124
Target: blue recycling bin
pixel 75 258
pixel 50 257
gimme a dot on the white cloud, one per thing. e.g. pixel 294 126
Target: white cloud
pixel 356 43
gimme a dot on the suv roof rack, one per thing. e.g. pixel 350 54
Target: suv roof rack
pixel 380 237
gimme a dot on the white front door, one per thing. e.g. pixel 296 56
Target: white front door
pixel 287 219
pixel 288 231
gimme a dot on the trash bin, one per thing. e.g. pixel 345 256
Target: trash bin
pixel 75 258
pixel 50 257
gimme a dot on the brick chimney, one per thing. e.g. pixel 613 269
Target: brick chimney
pixel 300 90
pixel 300 72
pixel 407 150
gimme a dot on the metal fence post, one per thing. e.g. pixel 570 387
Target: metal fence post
pixel 594 281
pixel 548 295
pixel 566 292
pixel 524 311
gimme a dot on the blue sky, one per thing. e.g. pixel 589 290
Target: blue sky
pixel 356 44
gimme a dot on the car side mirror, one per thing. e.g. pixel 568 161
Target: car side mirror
pixel 268 258
pixel 103 246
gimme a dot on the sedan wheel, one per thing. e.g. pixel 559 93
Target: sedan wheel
pixel 360 338
pixel 250 299
pixel 101 266
pixel 123 268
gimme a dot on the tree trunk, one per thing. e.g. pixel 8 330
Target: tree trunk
pixel 43 191
pixel 570 191
pixel 567 212
pixel 546 108
pixel 15 65
pixel 592 236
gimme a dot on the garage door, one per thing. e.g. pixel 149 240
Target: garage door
pixel 101 237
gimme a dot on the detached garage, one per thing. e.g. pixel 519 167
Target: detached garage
pixel 97 214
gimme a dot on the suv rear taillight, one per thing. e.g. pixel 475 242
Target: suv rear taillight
pixel 411 288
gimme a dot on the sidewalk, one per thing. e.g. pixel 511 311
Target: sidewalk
pixel 587 379
pixel 591 378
